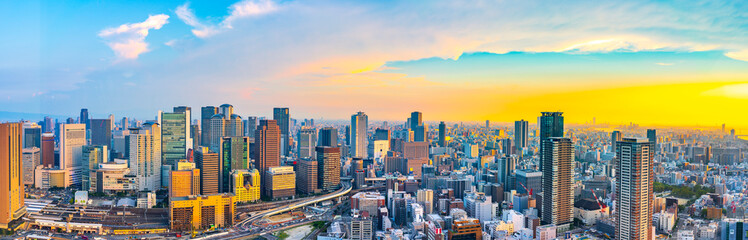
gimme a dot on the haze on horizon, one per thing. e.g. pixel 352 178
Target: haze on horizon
pixel 681 63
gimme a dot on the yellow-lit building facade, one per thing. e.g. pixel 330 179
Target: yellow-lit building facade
pixel 184 183
pixel 246 185
pixel 201 212
pixel 280 182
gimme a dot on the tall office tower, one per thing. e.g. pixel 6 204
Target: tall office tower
pixel 421 133
pixel 652 136
pixel 49 125
pixel 328 168
pixel 307 141
pixel 101 132
pixel 359 141
pixel 32 135
pixel 279 182
pixel 31 158
pixel 505 168
pixel 111 121
pixel 520 134
pixel 615 137
pixel 84 118
pixel 442 134
pixel 224 124
pixel 70 121
pixel 551 125
pixel 210 167
pixel 557 159
pixel 267 148
pixel 634 188
pixel 348 135
pixel 144 156
pixel 184 183
pixel 306 176
pixel 531 179
pixel 251 126
pixel 124 123
pixel 72 139
pixel 382 134
pixel 416 118
pixel 190 139
pixel 92 157
pixel 196 136
pixel 507 146
pixel 48 150
pixel 12 195
pixel 281 117
pixel 234 156
pixel 328 137
pixel 206 113
pixel 175 140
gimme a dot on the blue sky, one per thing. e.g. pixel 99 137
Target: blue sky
pixel 332 58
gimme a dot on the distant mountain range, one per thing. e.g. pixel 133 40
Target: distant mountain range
pixel 6 116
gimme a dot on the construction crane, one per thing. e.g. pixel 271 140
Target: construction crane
pixel 527 191
pixel 602 210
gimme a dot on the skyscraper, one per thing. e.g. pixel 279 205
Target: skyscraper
pixel 72 139
pixel 382 134
pixel 557 159
pixel 328 137
pixel 328 168
pixel 267 148
pixel 210 170
pixel 224 124
pixel 615 137
pixel 234 156
pixel 205 114
pixel 652 136
pixel 144 156
pixel 421 133
pixel 442 134
pixel 551 125
pixel 416 118
pixel 175 132
pixel 251 126
pixel 306 176
pixel 520 135
pixel 32 135
pixel 83 119
pixel 101 132
pixel 92 157
pixel 187 111
pixel 306 142
pixel 12 195
pixel 634 188
pixel 359 141
pixel 48 149
pixel 281 117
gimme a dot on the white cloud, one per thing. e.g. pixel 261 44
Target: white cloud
pixel 738 55
pixel 239 10
pixel 738 91
pixel 128 40
pixel 665 64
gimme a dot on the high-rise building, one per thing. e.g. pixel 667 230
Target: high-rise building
pixel 529 178
pixel 382 134
pixel 328 168
pixel 12 191
pixel 279 182
pixel 48 150
pixel 31 158
pixel 359 140
pixel 281 117
pixel 72 139
pixel 421 133
pixel 176 136
pixel 521 131
pixel 652 136
pixel 442 134
pixel 306 142
pixel 557 159
pixel 144 156
pixel 328 137
pixel 49 125
pixel 83 119
pixel 224 124
pixel 32 135
pixel 251 126
pixel 306 176
pixel 361 228
pixel 92 157
pixel 210 170
pixel 416 119
pixel 615 137
pixel 206 113
pixel 267 148
pixel 551 125
pixel 245 184
pixel 184 183
pixel 201 212
pixel 101 132
pixel 634 188
pixel 234 156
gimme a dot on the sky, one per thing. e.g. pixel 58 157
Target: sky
pixel 676 63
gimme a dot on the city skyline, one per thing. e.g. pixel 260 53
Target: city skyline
pixel 453 61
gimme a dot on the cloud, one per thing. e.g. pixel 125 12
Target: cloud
pixel 128 40
pixel 738 55
pixel 737 91
pixel 665 64
pixel 239 10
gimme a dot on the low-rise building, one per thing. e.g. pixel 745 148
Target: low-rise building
pixel 201 212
